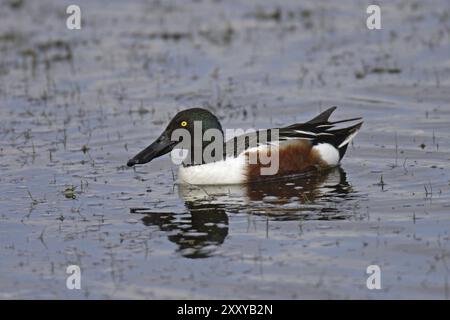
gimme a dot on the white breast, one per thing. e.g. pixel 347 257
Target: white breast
pixel 229 171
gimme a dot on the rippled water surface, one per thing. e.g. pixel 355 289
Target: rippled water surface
pixel 75 105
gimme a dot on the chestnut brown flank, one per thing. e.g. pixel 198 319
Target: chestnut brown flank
pixel 294 158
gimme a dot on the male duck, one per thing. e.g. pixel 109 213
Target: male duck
pixel 300 147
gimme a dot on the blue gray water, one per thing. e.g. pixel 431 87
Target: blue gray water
pixel 75 105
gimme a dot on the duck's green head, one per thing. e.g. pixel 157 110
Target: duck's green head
pixel 185 119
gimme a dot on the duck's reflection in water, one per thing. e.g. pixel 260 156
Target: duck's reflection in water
pixel 197 233
pixel 318 195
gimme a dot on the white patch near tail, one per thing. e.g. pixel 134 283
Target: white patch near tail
pixel 228 171
pixel 328 153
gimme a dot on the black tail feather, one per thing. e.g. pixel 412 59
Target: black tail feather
pixel 323 117
pixel 340 135
pixel 342 151
pixel 346 120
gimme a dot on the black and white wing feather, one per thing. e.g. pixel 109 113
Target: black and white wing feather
pixel 317 130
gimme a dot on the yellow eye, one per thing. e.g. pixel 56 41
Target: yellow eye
pixel 183 123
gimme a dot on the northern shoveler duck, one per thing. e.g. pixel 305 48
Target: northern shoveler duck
pixel 300 147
